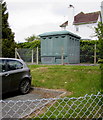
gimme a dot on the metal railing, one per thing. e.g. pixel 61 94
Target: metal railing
pixel 89 106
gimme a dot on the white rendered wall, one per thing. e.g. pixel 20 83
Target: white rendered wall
pixel 102 10
pixel 85 31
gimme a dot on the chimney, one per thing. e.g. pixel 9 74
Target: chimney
pixel 70 26
pixel 71 14
pixel 102 10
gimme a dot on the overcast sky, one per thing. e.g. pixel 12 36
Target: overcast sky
pixel 28 17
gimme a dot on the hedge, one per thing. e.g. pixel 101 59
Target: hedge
pixel 86 49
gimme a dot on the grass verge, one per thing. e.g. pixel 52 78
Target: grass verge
pixel 79 80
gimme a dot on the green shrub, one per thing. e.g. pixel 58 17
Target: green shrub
pixel 87 51
pixel 100 61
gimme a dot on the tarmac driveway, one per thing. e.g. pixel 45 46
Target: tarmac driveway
pixel 15 105
pixel 15 96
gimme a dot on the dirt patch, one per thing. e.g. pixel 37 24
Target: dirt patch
pixel 42 69
pixel 50 93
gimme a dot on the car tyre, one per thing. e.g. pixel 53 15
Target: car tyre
pixel 24 86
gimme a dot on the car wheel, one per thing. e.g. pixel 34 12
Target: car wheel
pixel 24 86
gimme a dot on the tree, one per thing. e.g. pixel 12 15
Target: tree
pixel 8 43
pixel 30 45
pixel 99 34
pixel 32 38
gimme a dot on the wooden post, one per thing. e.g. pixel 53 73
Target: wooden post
pixel 15 53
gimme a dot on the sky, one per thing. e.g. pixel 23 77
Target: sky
pixel 34 17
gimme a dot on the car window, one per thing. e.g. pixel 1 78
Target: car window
pixel 2 66
pixel 14 65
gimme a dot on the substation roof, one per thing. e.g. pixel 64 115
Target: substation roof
pixel 54 33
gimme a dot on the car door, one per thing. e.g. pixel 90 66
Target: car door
pixel 4 76
pixel 15 70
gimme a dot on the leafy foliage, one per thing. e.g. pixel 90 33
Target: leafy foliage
pixel 31 45
pixel 99 34
pixel 32 38
pixel 8 43
pixel 87 50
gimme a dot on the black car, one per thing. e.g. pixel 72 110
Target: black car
pixel 14 75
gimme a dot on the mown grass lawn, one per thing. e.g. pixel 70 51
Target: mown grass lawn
pixel 79 80
pixel 87 107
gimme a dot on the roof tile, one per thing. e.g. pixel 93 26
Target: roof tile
pixel 86 17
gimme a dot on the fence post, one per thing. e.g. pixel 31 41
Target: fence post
pixel 37 56
pixel 62 56
pixel 94 54
pixel 32 59
pixel 15 53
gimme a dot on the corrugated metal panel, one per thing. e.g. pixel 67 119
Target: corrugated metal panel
pixel 53 43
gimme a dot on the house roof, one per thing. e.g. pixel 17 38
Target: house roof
pixel 64 24
pixel 86 17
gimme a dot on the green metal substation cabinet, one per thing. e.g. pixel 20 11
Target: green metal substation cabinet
pixel 60 45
